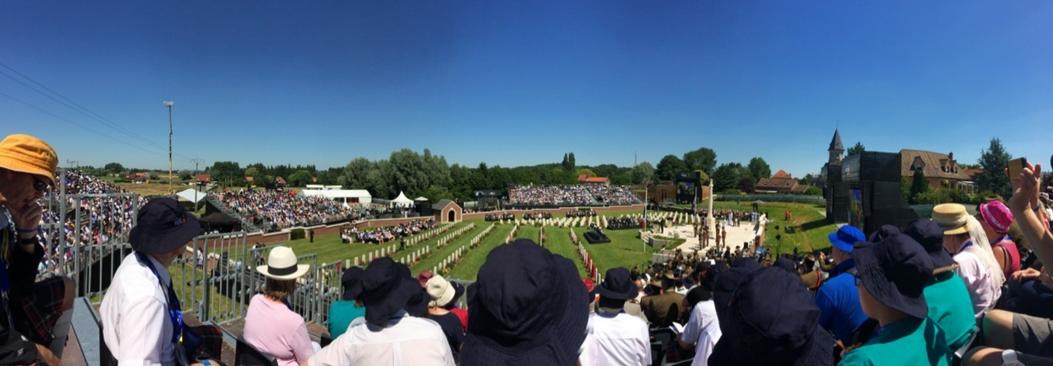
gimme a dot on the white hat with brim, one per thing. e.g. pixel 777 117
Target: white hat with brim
pixel 440 290
pixel 281 265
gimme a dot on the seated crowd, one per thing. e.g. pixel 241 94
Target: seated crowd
pixel 581 213
pixel 571 195
pixel 950 289
pixel 541 215
pixel 499 216
pixel 102 218
pixel 284 209
pixel 386 233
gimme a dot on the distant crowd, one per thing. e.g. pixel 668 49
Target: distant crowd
pixel 283 209
pixel 386 233
pixel 571 195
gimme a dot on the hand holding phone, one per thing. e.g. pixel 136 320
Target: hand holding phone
pixel 1015 166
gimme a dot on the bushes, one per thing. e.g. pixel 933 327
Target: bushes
pixel 297 233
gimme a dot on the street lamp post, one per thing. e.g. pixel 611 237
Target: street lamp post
pixel 169 104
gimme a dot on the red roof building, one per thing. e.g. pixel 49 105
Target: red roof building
pixel 593 180
pixel 781 182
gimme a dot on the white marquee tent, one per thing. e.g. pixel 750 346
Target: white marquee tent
pixel 401 201
pixel 346 196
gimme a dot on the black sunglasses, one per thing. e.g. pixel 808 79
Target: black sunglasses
pixel 40 185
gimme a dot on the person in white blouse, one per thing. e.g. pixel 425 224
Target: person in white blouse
pixel 141 319
pixel 387 335
pixel 965 240
pixel 613 337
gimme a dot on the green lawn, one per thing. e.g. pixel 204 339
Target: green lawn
pixel 807 231
pixel 469 265
pixel 557 240
pixel 439 254
pixel 625 250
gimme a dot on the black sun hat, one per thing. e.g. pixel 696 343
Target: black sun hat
pixel 617 285
pixel 528 307
pixel 387 288
pixel 162 226
pixel 895 271
pixel 930 235
pixel 759 331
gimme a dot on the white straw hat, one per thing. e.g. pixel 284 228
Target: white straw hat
pixel 281 265
pixel 440 290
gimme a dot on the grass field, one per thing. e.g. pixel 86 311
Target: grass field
pixel 807 231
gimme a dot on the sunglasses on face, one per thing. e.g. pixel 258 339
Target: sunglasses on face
pixel 40 185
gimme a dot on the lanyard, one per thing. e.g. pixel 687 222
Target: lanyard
pixel 174 313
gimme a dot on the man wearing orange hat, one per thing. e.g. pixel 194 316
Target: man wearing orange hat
pixel 29 310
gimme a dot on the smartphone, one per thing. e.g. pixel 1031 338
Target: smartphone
pixel 1015 166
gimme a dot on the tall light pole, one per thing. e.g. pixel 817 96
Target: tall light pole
pixel 169 104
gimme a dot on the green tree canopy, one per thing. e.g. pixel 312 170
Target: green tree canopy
pixel 704 159
pixel 994 160
pixel 758 169
pixel 669 167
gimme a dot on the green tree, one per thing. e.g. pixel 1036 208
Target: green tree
pixel 113 168
pixel 994 161
pixel 856 149
pixel 299 178
pixel 586 172
pixel 252 171
pixel 669 167
pixel 642 172
pixel 758 169
pixel 704 159
pixel 745 184
pixel 356 173
pixel 227 173
pixel 919 186
pixel 728 175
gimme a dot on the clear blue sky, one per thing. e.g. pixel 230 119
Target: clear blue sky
pixel 514 83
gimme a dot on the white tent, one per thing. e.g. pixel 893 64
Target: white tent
pixel 191 195
pixel 346 196
pixel 401 201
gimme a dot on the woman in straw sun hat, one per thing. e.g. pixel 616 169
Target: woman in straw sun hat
pixel 965 240
pixel 270 324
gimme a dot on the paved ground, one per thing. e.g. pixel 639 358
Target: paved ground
pixel 736 236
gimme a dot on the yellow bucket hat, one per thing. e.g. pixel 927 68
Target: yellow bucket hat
pixel 951 217
pixel 28 154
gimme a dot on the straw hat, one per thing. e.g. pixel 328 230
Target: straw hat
pixel 281 265
pixel 951 217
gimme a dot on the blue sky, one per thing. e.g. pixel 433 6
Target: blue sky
pixel 519 83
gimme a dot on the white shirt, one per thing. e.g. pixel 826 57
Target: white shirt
pixel 621 339
pixel 411 341
pixel 135 323
pixel 978 279
pixel 702 330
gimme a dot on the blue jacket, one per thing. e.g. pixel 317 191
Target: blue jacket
pixel 838 301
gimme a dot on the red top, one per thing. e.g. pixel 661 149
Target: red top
pixel 1013 262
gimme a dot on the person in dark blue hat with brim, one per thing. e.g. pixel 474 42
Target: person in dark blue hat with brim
pixel 614 337
pixel 527 307
pixel 946 295
pixel 770 319
pixel 838 301
pixel 893 273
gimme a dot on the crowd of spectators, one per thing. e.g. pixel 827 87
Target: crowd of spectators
pixel 499 216
pixel 283 209
pixel 540 215
pixel 386 233
pixel 581 213
pixel 105 217
pixel 571 195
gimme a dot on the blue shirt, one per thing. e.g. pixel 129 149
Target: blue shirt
pixel 838 301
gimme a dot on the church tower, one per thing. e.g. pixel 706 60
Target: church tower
pixel 836 149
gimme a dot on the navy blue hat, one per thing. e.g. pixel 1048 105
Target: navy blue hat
pixel 162 226
pixel 929 234
pixel 351 282
pixel 765 332
pixel 895 271
pixel 528 307
pixel 617 285
pixel 846 237
pixel 786 263
pixel 387 288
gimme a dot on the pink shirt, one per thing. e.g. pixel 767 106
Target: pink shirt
pixel 1013 261
pixel 276 330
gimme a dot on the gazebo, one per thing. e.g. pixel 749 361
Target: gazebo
pixel 401 201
